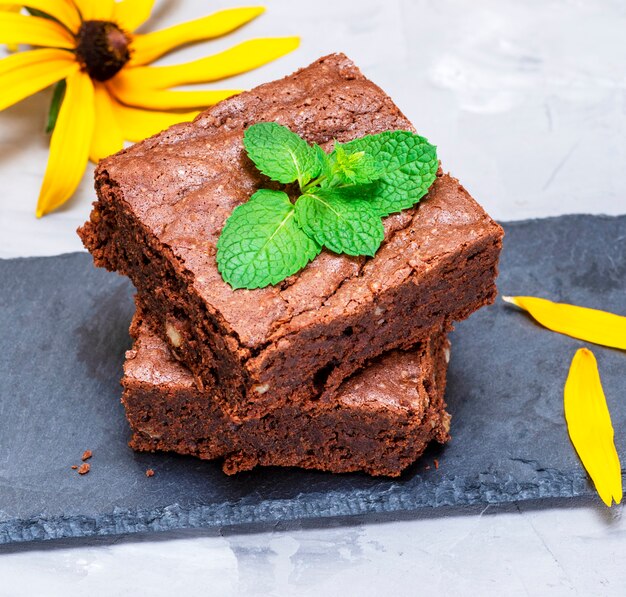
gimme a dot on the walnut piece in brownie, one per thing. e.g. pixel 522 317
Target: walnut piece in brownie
pixel 379 421
pixel 162 205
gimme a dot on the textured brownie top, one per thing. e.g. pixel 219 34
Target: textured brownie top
pixel 183 184
pixel 392 382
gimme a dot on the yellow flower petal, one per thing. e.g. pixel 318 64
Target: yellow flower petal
pixel 167 100
pixel 137 124
pixel 35 31
pixel 589 426
pixel 26 73
pixel 11 8
pixel 98 10
pixel 69 146
pixel 236 60
pixel 147 48
pixel 590 325
pixel 107 136
pixel 63 11
pixel 131 14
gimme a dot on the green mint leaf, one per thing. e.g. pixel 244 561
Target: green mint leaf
pixel 344 225
pixel 410 166
pixel 58 93
pixel 353 167
pixel 323 160
pixel 280 154
pixel 360 191
pixel 261 242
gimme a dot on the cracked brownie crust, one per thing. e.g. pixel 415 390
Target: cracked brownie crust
pixel 163 203
pixel 380 420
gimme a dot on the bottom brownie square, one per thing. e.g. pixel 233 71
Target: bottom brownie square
pixel 380 420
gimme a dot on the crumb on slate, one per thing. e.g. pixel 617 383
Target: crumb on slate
pixel 87 454
pixel 83 469
pixel 436 463
pixel 149 473
pixel 74 466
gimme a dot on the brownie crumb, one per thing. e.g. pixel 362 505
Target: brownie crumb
pixel 149 473
pixel 83 469
pixel 87 454
pixel 436 463
pixel 74 466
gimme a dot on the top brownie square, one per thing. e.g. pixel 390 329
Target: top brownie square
pixel 162 205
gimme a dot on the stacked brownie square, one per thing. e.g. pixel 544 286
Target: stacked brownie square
pixel 342 366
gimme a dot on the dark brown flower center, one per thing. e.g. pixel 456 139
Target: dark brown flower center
pixel 102 49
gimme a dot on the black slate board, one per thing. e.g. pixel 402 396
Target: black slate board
pixel 63 333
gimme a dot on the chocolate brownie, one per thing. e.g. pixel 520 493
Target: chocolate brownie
pixel 379 421
pixel 162 205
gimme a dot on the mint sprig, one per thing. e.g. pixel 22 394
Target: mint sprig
pixel 343 196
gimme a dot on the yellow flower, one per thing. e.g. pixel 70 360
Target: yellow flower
pixel 591 325
pixel 111 94
pixel 589 426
